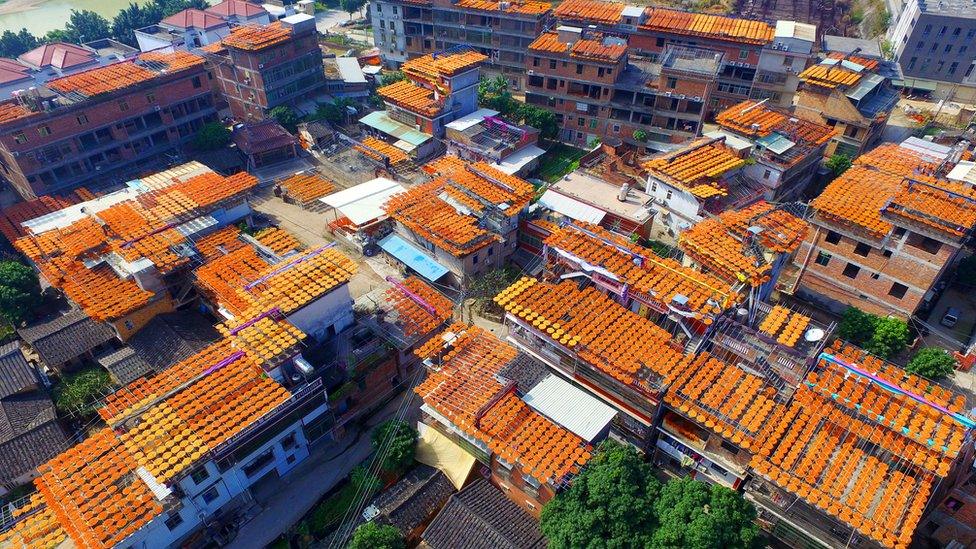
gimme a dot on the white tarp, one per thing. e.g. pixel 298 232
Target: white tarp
pixel 571 208
pixel 570 406
pixel 364 202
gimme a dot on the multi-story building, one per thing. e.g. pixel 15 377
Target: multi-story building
pixel 885 232
pixel 465 221
pixel 599 92
pixel 56 59
pixel 787 150
pixel 756 60
pixel 847 93
pixel 484 135
pixel 439 88
pixel 933 43
pixel 404 29
pixel 188 29
pixel 100 125
pixel 258 68
pixel 240 12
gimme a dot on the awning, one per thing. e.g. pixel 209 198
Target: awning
pixel 570 406
pixel 413 257
pixel 571 208
pixel 915 84
pixel 442 453
pixel 364 202
pixel 514 162
pixel 378 120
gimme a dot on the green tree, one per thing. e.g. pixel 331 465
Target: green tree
pixel 696 515
pixel 400 441
pixel 13 44
pixel 20 292
pixel 856 326
pixel 169 7
pixel 932 362
pixel 60 35
pixel 838 164
pixel 391 77
pixel 351 6
pixel 540 119
pixel 211 136
pixel 377 536
pixel 640 135
pixel 134 17
pixel 335 111
pixel 889 338
pixel 80 391
pixel 610 504
pixel 493 93
pixel 86 26
pixel 286 116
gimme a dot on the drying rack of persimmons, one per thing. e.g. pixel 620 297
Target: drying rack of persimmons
pixel 420 309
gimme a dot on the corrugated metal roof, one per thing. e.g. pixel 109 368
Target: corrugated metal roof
pixel 569 406
pixel 364 202
pixel 413 257
pixel 350 70
pixel 469 120
pixel 571 208
pixel 380 121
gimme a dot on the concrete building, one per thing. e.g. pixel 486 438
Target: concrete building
pixel 49 61
pixel 258 68
pixel 101 125
pixel 793 48
pixel 240 12
pixel 404 29
pixel 484 136
pixel 188 29
pixel 934 42
pixel 884 238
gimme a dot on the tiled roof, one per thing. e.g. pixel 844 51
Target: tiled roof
pixel 12 71
pixel 733 403
pixel 717 243
pixel 520 7
pixel 229 8
pixel 627 347
pixel 124 364
pixel 656 278
pixel 480 185
pixel 59 55
pixel 412 97
pixel 65 337
pixel 878 177
pixel 482 517
pixel 16 374
pixel 420 308
pixel 590 10
pixel 465 390
pixel 121 75
pixel 193 18
pixel 29 434
pixel 413 500
pixel 305 187
pixel 380 150
pixel 256 37
pixel 173 337
pixel 861 453
pixel 263 136
pixel 717 27
pixel 759 120
pixel 696 167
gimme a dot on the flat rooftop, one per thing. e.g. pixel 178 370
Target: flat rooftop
pixel 604 195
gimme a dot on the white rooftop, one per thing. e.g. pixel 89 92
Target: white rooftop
pixel 571 208
pixel 603 195
pixel 514 162
pixel 364 202
pixel 632 11
pixel 297 18
pixel 928 148
pixel 570 406
pixel 469 120
pixel 794 29
pixel 964 172
pixel 350 70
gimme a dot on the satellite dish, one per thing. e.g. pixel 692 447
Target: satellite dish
pixel 814 334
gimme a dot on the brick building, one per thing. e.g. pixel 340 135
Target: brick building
pixel 100 125
pixel 885 233
pixel 597 90
pixel 258 68
pixel 404 29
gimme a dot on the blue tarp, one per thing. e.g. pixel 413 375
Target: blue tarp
pixel 413 257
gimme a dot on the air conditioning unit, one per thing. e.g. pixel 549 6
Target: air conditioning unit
pixel 530 72
pixel 260 65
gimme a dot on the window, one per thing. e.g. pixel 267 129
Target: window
pixel 730 447
pixel 672 83
pixel 953 67
pixel 200 475
pixel 969 71
pixel 851 270
pixel 150 97
pixel 930 245
pixel 653 186
pixel 659 42
pixel 766 174
pixel 129 325
pixel 20 138
pixel 886 253
pixel 875 276
pixel 616 128
pixel 971 33
pixel 82 119
pixel 173 522
pixel 832 237
pixel 943 30
pixel 196 82
pixel 927 31
pixel 823 258
pixel 897 290
pixel 668 196
pixel 957 31
pixel 919 45
pixel 475 259
pixel 900 232
pixel 535 61
pixel 948 48
pixel 743 54
pixel 259 462
pixel 962 49
pixel 935 46
pixel 862 249
pixel 290 441
pixel 911 63
pixel 44 131
pixel 491 250
pixel 579 68
pixel 123 106
pixel 210 495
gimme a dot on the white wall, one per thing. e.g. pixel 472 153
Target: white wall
pixel 682 204
pixel 333 309
pixel 151 43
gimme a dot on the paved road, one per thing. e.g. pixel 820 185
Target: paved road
pixel 291 497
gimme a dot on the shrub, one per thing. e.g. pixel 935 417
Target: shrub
pixel 932 362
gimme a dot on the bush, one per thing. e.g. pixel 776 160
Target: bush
pixel 838 164
pixel 331 511
pixel 377 536
pixel 856 326
pixel 400 441
pixel 20 292
pixel 932 362
pixel 212 136
pixel 890 337
pixel 640 135
pixel 286 116
pixel 79 392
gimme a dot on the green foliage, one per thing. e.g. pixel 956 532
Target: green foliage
pixel 60 35
pixel 610 504
pixel 660 249
pixel 86 26
pixel 640 135
pixel 335 111
pixel 540 119
pixel 377 536
pixel 890 337
pixel 693 514
pixel 13 44
pixel 932 362
pixel 329 512
pixel 400 442
pixel 351 6
pixel 391 77
pixel 286 116
pixel 856 326
pixel 20 292
pixel 558 161
pixel 966 271
pixel 135 17
pixel 493 93
pixel 78 392
pixel 211 136
pixel 838 164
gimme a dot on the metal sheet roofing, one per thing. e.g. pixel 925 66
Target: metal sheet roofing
pixel 381 121
pixel 413 257
pixel 469 120
pixel 364 202
pixel 570 406
pixel 571 208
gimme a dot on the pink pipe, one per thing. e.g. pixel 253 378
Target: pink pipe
pixel 225 362
pixel 419 300
pixel 289 265
pixel 273 312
